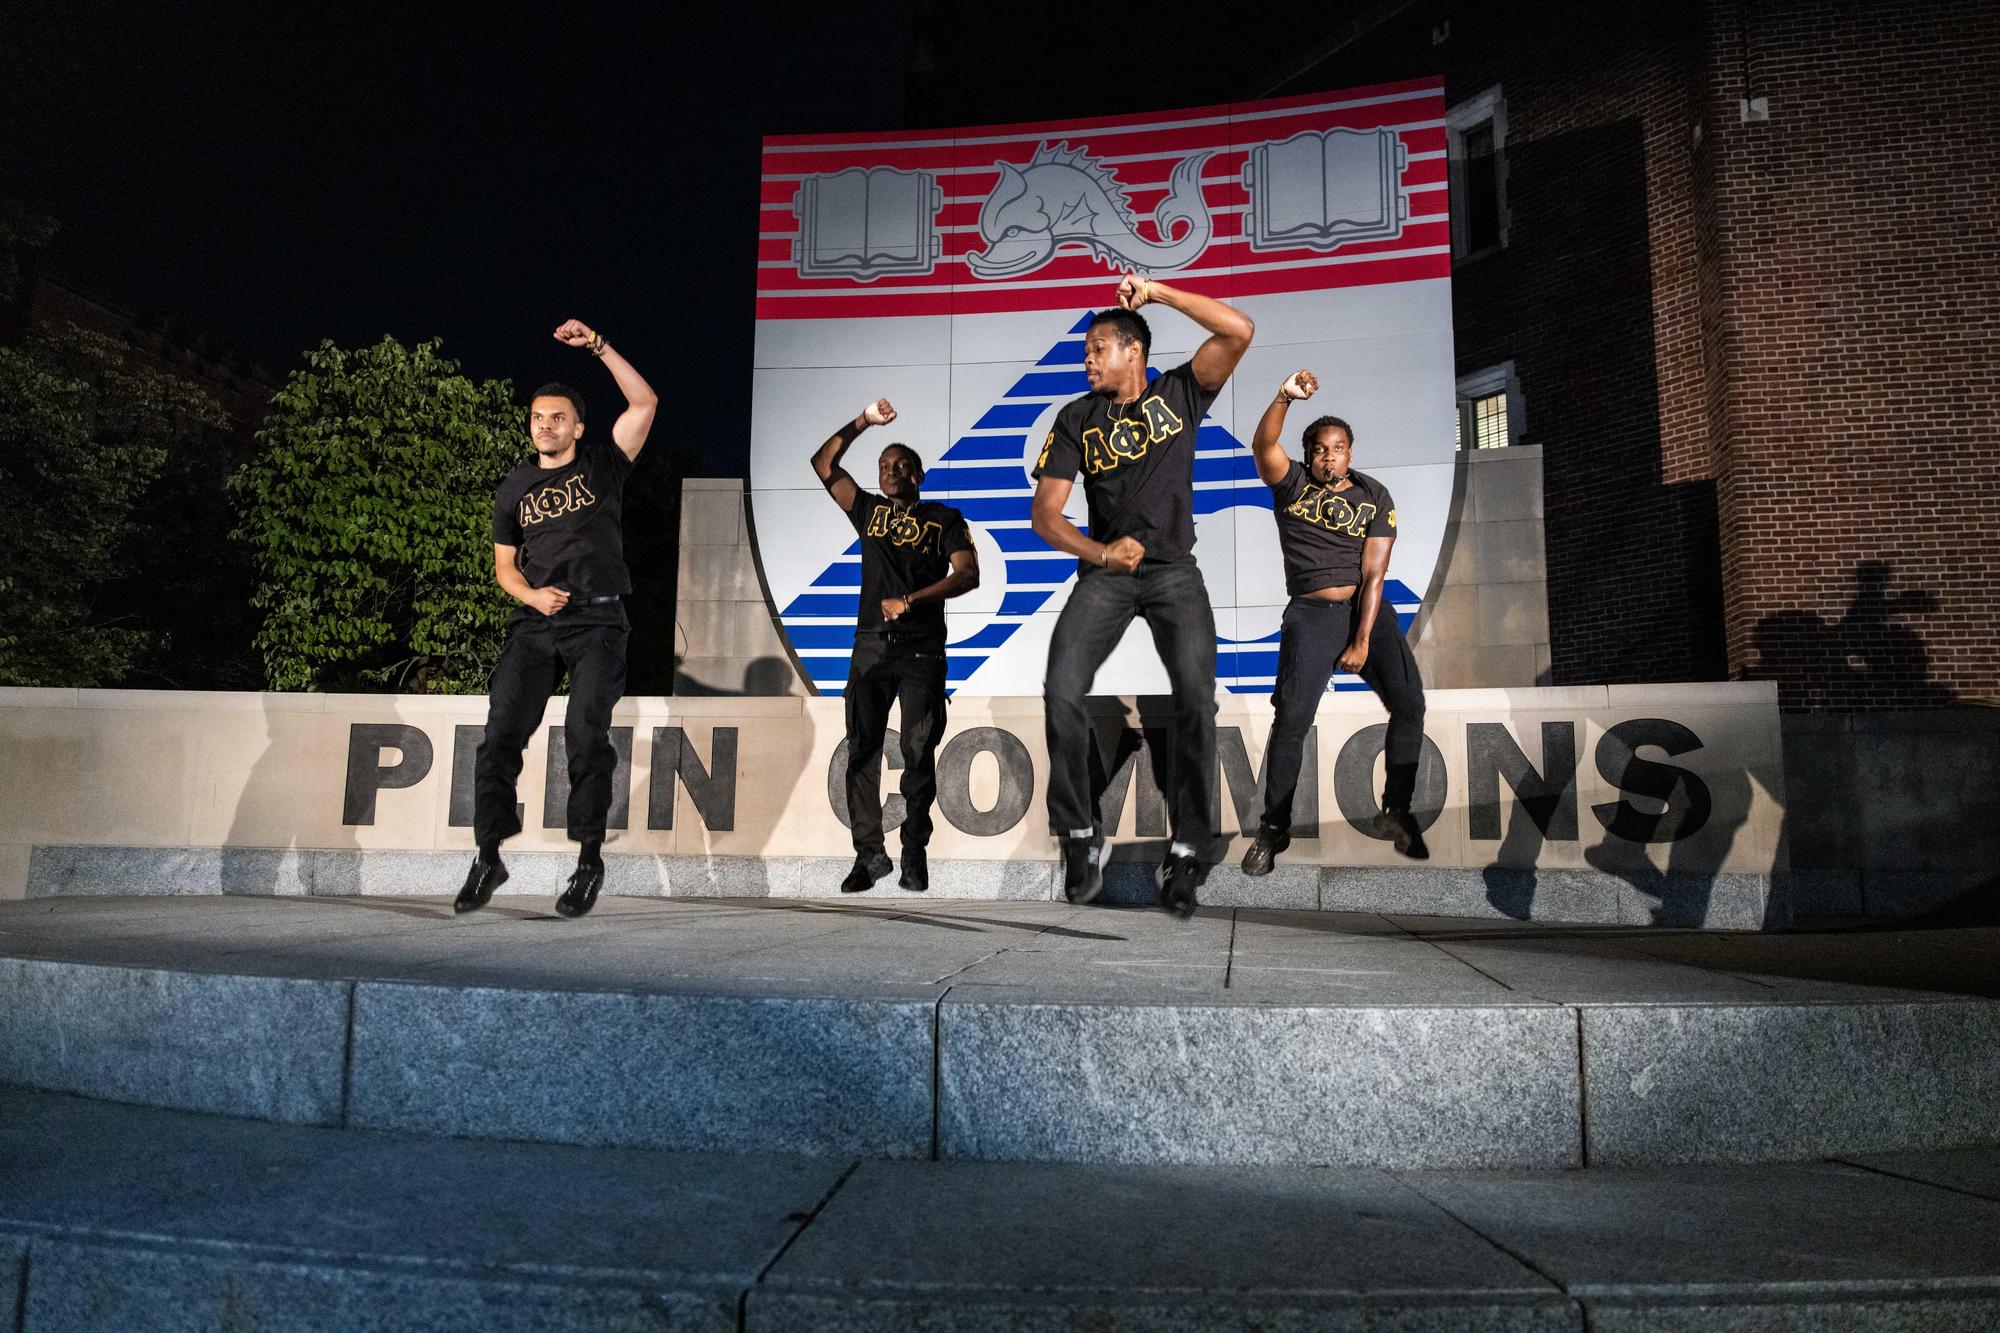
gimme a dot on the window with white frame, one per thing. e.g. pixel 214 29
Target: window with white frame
pixel 1491 414
pixel 1476 143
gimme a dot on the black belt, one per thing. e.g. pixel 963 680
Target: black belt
pixel 594 601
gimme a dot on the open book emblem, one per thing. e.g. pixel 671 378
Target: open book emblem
pixel 863 223
pixel 1322 190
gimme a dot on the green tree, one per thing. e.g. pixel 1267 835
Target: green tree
pixel 368 511
pixel 83 434
pixel 22 232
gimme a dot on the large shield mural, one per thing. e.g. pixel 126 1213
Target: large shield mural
pixel 953 272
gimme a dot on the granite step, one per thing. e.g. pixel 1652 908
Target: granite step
pixel 141 1220
pixel 1012 1031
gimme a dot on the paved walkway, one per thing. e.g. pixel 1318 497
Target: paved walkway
pixel 129 1219
pixel 853 946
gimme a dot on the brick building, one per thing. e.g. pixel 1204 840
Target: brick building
pixel 1734 267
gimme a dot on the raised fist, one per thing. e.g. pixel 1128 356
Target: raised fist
pixel 574 332
pixel 878 413
pixel 1303 384
pixel 1133 291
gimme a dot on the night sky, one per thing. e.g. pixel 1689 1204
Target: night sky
pixel 274 175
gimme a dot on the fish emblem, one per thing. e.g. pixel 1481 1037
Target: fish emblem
pixel 1063 196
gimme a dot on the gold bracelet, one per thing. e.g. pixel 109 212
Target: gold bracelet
pixel 596 344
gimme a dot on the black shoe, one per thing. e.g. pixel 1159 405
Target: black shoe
pixel 480 881
pixel 867 869
pixel 1264 851
pixel 1083 867
pixel 1178 881
pixel 1400 827
pixel 581 895
pixel 916 870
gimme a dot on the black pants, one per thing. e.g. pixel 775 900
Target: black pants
pixel 590 643
pixel 1315 635
pixel 882 672
pixel 1174 602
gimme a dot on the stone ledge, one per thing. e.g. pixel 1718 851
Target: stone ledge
pixel 1729 1083
pixel 266 1047
pixel 893 1028
pixel 725 1073
pixel 1350 1087
pixel 1729 900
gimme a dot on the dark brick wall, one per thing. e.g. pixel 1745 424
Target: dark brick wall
pixel 1761 358
pixel 1860 291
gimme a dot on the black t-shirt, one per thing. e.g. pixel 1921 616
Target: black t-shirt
pixel 565 521
pixel 900 553
pixel 1321 531
pixel 1138 467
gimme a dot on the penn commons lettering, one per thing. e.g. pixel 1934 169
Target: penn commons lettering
pixel 711 787
pixel 1673 802
pixel 1131 437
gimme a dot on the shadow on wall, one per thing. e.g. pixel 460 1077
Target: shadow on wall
pixel 1695 817
pixel 765 677
pixel 1869 658
pixel 1893 809
pixel 262 855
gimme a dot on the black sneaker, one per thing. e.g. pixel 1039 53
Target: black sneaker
pixel 1400 827
pixel 916 870
pixel 581 895
pixel 1083 867
pixel 480 881
pixel 1264 850
pixel 1179 879
pixel 867 869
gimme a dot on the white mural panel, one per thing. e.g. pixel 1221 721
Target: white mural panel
pixel 954 272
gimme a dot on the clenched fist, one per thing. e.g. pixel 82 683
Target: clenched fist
pixel 1124 554
pixel 547 600
pixel 575 333
pixel 1133 291
pixel 1302 385
pixel 878 413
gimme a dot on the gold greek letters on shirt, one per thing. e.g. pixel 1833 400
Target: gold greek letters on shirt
pixel 555 501
pixel 1130 437
pixel 1321 507
pixel 904 529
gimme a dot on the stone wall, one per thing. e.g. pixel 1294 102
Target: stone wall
pixel 727 643
pixel 1614 804
pixel 1486 622
pixel 1894 813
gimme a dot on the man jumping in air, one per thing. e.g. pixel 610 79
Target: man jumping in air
pixel 915 555
pixel 558 550
pixel 1335 528
pixel 1134 443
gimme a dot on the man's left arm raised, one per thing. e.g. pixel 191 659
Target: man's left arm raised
pixel 1229 329
pixel 636 421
